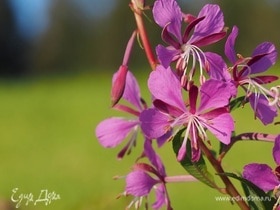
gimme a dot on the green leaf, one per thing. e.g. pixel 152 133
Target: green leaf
pixel 236 103
pixel 255 197
pixel 196 169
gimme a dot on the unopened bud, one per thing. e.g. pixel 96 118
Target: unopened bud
pixel 118 84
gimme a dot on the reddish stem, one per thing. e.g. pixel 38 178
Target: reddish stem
pixel 138 14
pixel 230 188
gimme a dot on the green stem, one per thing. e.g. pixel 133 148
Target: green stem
pixel 230 188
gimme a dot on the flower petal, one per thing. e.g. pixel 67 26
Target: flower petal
pixel 161 197
pixel 165 86
pixel 132 91
pixel 153 157
pixel 261 175
pixel 168 12
pixel 111 132
pixel 218 70
pixel 217 67
pixel 222 127
pixel 276 150
pixel 161 140
pixel 266 61
pixel 229 46
pixel 139 183
pixel 211 24
pixel 166 54
pixel 264 111
pixel 154 123
pixel 166 108
pixel 214 94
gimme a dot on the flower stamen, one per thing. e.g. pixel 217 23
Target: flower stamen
pixel 197 56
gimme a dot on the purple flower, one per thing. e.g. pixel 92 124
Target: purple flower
pixel 145 177
pixel 171 111
pixel 263 175
pixel 112 131
pixel 207 27
pixel 244 72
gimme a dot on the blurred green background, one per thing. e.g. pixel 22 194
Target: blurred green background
pixel 56 63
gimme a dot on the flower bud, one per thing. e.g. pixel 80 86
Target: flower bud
pixel 118 84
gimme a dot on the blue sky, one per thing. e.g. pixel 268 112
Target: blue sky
pixel 32 16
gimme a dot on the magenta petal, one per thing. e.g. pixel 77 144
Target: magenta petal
pixel 263 111
pixel 153 157
pixel 196 154
pixel 139 183
pixel 182 152
pixel 168 12
pixel 154 123
pixel 261 175
pixel 132 91
pixel 163 139
pixel 166 108
pixel 217 67
pixel 276 150
pixel 165 86
pixel 229 46
pixel 161 197
pixel 212 23
pixel 166 55
pixel 214 94
pixel 112 131
pixel 266 61
pixel 222 127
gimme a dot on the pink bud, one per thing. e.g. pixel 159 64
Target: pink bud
pixel 118 84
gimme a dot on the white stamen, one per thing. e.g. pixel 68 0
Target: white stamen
pixel 258 89
pixel 196 53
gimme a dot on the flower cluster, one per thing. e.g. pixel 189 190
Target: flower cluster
pixel 185 109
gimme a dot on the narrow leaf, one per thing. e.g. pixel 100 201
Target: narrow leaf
pixel 197 169
pixel 248 192
pixel 238 102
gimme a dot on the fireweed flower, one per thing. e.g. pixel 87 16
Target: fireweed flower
pixel 245 72
pixel 112 131
pixel 263 175
pixel 207 27
pixel 170 110
pixel 146 177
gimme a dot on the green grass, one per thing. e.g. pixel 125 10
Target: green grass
pixel 47 142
